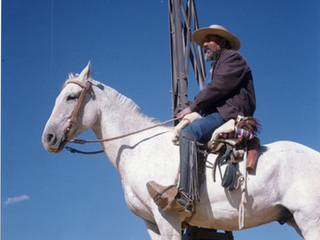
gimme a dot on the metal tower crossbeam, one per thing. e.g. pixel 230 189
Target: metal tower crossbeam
pixel 183 52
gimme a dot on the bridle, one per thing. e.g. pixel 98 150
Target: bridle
pixel 85 88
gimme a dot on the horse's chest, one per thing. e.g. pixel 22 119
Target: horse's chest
pixel 136 203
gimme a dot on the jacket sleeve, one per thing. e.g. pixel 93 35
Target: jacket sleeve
pixel 227 77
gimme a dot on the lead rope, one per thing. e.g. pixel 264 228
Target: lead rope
pixel 80 141
pixel 243 191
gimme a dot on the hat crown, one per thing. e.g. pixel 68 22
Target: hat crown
pixel 215 26
pixel 199 35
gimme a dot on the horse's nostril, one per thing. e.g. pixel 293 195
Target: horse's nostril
pixel 51 139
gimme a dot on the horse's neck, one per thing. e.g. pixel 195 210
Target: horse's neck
pixel 118 116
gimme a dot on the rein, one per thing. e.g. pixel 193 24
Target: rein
pixel 80 141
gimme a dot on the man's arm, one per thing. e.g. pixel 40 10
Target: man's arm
pixel 226 79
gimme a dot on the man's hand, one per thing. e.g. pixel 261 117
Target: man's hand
pixel 184 112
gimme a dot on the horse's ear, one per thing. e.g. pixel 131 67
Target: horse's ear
pixel 85 74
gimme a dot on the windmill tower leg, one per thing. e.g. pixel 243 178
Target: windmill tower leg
pixel 183 52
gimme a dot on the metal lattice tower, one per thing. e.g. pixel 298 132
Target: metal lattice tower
pixel 184 52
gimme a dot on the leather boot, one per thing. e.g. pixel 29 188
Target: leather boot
pixel 163 196
pixel 188 153
pixel 253 150
pixel 166 196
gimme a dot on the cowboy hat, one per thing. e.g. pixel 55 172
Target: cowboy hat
pixel 198 36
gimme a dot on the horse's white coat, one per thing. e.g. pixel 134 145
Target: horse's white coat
pixel 286 174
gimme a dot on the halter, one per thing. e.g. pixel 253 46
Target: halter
pixel 85 88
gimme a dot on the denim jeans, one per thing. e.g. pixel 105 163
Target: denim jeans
pixel 203 128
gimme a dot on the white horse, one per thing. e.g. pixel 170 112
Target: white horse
pixel 285 181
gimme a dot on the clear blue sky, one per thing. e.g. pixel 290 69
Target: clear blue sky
pixel 76 197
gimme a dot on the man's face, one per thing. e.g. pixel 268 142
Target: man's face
pixel 211 43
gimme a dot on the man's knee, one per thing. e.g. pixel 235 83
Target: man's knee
pixel 194 130
pixel 186 134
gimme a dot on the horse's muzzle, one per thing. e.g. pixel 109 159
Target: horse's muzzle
pixel 53 143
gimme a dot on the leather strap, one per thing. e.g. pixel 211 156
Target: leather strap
pixel 76 110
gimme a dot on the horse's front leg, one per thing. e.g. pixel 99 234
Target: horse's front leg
pixel 153 230
pixel 168 225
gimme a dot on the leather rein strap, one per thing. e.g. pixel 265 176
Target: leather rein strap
pixel 85 88
pixel 80 141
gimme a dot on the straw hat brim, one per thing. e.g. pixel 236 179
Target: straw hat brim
pixel 199 35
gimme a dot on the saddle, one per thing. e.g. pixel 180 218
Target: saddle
pixel 230 141
pixel 230 153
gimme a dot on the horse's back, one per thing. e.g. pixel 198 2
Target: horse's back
pixel 290 174
pixel 285 163
pixel 297 184
pixel 298 162
pixel 289 156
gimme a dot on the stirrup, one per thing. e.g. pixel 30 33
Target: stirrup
pixel 185 203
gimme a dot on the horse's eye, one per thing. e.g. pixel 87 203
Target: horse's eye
pixel 71 97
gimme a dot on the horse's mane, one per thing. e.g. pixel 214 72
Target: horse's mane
pixel 121 100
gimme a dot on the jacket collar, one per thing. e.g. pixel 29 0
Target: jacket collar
pixel 217 54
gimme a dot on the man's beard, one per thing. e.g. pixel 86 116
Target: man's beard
pixel 209 55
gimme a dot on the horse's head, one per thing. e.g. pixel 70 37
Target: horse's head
pixel 67 119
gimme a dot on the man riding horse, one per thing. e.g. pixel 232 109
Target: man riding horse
pixel 228 93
